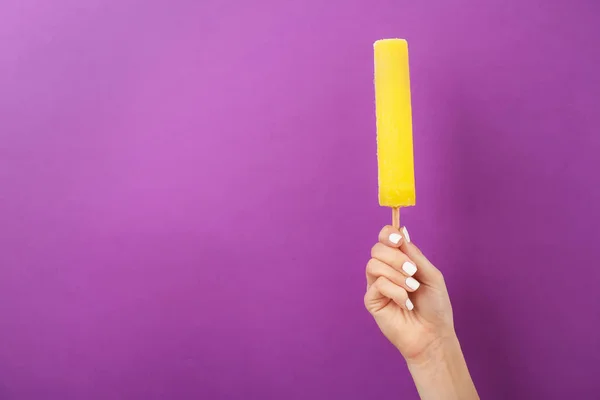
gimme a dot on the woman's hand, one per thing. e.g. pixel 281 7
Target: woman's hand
pixel 407 296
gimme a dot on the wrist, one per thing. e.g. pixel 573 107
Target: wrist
pixel 442 346
pixel 440 372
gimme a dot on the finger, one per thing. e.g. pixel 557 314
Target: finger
pixel 394 257
pixel 385 287
pixel 390 236
pixel 375 300
pixel 426 273
pixel 377 269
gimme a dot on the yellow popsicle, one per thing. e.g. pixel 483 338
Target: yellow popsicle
pixel 394 124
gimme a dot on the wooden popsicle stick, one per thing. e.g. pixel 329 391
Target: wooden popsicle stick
pixel 396 217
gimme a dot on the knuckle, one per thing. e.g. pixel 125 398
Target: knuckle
pixel 368 301
pixel 386 228
pixel 370 265
pixel 376 249
pixel 438 275
pixel 379 283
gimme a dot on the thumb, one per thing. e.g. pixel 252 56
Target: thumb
pixel 426 273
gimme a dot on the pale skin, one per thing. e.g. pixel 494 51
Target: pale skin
pixel 407 297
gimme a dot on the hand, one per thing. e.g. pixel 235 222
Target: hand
pixel 407 296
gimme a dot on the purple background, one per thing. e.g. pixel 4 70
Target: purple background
pixel 188 195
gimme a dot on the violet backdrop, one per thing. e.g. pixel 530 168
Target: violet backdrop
pixel 188 195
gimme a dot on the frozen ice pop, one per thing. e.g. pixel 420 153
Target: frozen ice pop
pixel 394 126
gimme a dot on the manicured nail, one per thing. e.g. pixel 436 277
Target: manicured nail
pixel 409 268
pixel 395 238
pixel 412 283
pixel 406 235
pixel 409 305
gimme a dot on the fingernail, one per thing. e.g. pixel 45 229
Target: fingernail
pixel 412 283
pixel 406 235
pixel 395 238
pixel 409 305
pixel 409 268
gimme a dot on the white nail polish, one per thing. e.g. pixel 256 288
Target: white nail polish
pixel 409 268
pixel 395 238
pixel 406 235
pixel 409 305
pixel 412 283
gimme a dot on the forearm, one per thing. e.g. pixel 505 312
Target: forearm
pixel 442 374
